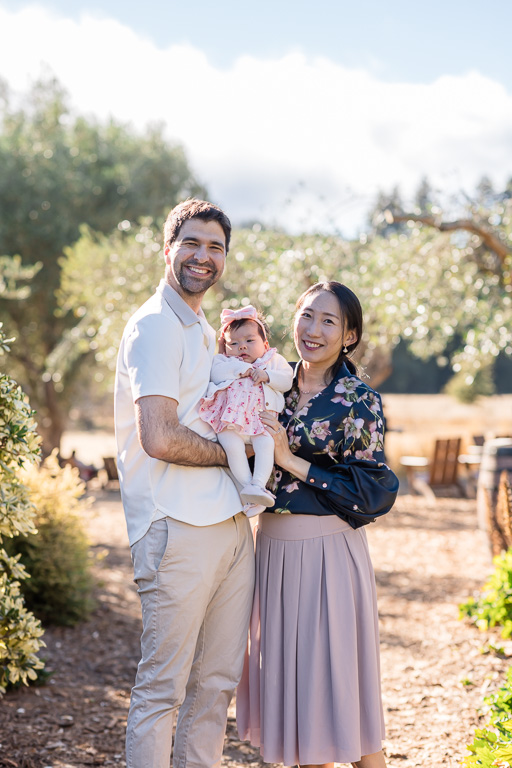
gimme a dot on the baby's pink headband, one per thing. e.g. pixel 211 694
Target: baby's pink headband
pixel 228 316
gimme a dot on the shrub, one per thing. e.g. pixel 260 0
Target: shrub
pixel 20 632
pixel 57 556
pixel 494 606
pixel 492 745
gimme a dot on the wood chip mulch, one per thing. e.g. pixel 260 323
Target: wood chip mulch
pixel 435 669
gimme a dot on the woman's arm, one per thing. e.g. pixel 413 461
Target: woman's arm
pixel 360 487
pixel 359 491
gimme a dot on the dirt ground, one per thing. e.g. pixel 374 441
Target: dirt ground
pixel 435 671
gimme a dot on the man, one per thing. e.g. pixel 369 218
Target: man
pixel 191 545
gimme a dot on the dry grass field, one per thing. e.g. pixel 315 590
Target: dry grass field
pixel 415 421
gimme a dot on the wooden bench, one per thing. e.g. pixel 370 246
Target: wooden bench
pixel 442 469
pixel 110 466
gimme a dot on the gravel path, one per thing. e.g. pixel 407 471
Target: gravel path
pixel 434 673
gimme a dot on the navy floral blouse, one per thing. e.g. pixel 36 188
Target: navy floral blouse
pixel 341 432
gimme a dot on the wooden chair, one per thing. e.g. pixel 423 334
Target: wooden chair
pixel 470 463
pixel 110 467
pixel 442 469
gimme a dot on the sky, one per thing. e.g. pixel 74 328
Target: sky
pixel 290 112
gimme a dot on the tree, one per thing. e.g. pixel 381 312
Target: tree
pixel 444 293
pixel 467 288
pixel 381 219
pixel 423 197
pixel 121 271
pixel 58 172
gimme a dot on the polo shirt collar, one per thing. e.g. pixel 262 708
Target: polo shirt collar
pixel 185 313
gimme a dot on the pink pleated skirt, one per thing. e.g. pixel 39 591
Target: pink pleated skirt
pixel 310 690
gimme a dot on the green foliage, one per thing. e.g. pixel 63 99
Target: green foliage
pixel 12 273
pixel 416 286
pixel 123 271
pixel 460 285
pixel 494 606
pixel 490 749
pixel 268 269
pixel 500 702
pixel 467 385
pixel 57 556
pixel 492 745
pixel 20 631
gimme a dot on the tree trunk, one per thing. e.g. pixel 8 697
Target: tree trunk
pixel 51 425
pixel 488 236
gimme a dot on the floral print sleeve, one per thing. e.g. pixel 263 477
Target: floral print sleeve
pixel 341 433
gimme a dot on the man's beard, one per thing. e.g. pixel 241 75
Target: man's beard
pixel 194 285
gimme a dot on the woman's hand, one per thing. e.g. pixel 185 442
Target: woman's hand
pixel 281 448
pixel 282 454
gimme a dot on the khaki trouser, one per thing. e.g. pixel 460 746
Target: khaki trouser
pixel 196 586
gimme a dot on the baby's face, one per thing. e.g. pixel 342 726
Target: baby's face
pixel 245 342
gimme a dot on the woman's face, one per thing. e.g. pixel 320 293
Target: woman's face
pixel 319 332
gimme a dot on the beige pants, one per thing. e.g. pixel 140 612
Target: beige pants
pixel 195 586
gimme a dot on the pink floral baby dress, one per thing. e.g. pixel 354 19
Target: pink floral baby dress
pixel 238 405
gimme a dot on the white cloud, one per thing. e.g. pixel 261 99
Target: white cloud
pixel 252 132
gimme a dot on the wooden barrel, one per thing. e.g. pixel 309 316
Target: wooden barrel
pixel 496 457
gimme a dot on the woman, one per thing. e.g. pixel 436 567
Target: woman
pixel 310 693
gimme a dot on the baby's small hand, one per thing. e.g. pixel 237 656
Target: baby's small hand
pixel 258 375
pixel 246 373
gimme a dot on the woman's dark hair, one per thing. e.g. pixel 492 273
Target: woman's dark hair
pixel 351 317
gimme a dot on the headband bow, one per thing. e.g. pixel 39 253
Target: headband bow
pixel 228 316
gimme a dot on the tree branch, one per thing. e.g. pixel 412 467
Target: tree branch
pixel 489 238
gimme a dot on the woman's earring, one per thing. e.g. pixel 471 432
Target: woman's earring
pixel 345 349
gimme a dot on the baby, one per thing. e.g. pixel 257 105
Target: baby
pixel 247 377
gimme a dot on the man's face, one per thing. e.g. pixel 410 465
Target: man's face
pixel 195 261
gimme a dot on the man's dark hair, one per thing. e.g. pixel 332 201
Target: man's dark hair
pixel 194 209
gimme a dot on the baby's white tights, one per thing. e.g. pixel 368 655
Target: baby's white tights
pixel 234 445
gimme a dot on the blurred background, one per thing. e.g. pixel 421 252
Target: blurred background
pixel 369 143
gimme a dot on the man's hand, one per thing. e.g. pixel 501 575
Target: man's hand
pixel 163 437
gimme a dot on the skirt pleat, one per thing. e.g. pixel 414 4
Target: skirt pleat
pixel 310 690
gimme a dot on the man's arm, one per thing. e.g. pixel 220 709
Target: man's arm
pixel 163 437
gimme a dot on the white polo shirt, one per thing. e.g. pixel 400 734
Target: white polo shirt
pixel 167 349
